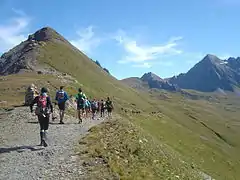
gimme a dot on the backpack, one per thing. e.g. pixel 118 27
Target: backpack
pixel 102 105
pixel 29 96
pixel 80 99
pixel 60 95
pixel 87 104
pixel 109 104
pixel 94 105
pixel 42 106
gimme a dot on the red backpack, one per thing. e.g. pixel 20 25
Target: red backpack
pixel 41 105
pixel 42 101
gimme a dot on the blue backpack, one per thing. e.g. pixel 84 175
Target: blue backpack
pixel 60 95
pixel 94 105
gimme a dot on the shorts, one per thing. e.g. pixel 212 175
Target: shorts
pixel 61 106
pixel 80 106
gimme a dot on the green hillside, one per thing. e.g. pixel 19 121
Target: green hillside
pixel 171 138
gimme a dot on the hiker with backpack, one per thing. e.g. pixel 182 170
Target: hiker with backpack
pixel 98 109
pixel 80 100
pixel 109 106
pixel 61 98
pixel 94 107
pixel 102 107
pixel 30 94
pixel 87 106
pixel 43 110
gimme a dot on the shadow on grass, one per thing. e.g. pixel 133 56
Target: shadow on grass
pixel 19 149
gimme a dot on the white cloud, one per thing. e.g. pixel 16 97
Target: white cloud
pixel 87 40
pixel 139 53
pixel 143 65
pixel 14 31
pixel 19 12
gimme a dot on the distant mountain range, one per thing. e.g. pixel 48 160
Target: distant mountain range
pixel 208 75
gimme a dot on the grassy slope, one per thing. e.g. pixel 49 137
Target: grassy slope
pixel 179 126
pixel 134 154
pixel 177 130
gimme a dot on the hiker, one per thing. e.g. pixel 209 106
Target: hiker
pixel 94 107
pixel 61 98
pixel 87 106
pixel 30 94
pixel 98 109
pixel 109 106
pixel 80 99
pixel 102 107
pixel 43 110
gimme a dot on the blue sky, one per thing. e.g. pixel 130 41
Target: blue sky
pixel 131 37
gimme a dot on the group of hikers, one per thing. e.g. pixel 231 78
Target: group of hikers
pixel 44 107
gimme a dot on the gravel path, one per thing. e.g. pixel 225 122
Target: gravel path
pixel 22 159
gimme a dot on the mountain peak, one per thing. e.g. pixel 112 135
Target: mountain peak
pixel 210 74
pixel 233 59
pixel 210 56
pixel 210 60
pixel 24 57
pixel 45 34
pixel 152 76
pixel 152 81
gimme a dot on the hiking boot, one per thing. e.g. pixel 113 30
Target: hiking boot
pixel 61 122
pixel 44 143
pixel 41 143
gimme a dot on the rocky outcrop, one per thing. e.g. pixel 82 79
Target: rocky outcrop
pixel 150 81
pixel 155 81
pixel 21 57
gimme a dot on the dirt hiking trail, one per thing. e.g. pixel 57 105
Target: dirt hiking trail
pixel 20 156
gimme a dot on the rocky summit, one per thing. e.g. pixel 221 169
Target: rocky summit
pixel 150 81
pixel 155 81
pixel 24 56
pixel 210 74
